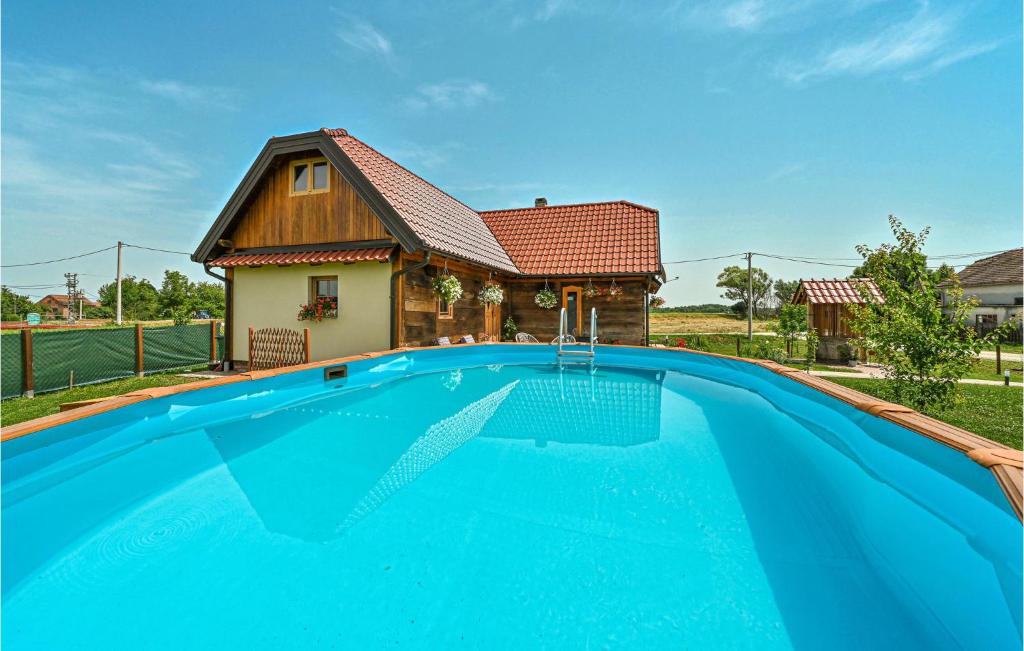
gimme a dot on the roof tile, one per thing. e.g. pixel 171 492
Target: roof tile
pixel 837 290
pixel 380 254
pixel 580 239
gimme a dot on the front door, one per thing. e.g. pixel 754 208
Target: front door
pixel 572 301
pixel 492 321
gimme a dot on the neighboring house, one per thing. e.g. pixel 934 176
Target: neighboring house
pixel 828 309
pixel 997 282
pixel 322 214
pixel 56 305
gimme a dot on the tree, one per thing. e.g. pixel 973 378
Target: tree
pixel 14 306
pixel 733 280
pixel 894 260
pixel 792 321
pixel 139 299
pixel 175 294
pixel 208 297
pixel 923 351
pixel 783 290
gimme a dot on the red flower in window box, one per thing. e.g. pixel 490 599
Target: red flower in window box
pixel 325 307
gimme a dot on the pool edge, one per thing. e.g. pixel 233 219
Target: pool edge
pixel 1005 463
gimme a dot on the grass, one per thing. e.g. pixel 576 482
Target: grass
pixel 674 322
pixel 1006 348
pixel 985 369
pixel 990 411
pixel 16 410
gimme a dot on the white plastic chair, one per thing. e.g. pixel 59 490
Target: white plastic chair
pixel 526 338
pixel 566 339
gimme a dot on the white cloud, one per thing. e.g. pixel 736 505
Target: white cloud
pixel 926 40
pixel 363 36
pixel 946 60
pixel 187 95
pixel 551 8
pixel 451 94
pixel 742 15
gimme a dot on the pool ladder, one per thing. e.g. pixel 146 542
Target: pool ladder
pixel 563 326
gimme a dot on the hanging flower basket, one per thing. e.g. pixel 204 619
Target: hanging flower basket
pixel 447 288
pixel 320 309
pixel 657 301
pixel 614 291
pixel 590 291
pixel 546 299
pixel 491 295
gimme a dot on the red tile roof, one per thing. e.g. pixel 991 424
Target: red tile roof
pixel 836 290
pixel 444 223
pixel 593 238
pixel 302 257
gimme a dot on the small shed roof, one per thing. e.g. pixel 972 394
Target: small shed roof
pixel 835 291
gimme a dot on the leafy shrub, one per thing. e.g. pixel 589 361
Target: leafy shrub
pixel 546 299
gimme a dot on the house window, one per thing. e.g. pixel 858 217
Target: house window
pixel 445 310
pixel 310 176
pixel 324 289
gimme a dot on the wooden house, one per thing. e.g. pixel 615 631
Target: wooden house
pixel 322 215
pixel 828 304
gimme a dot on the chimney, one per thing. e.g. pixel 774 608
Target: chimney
pixel 540 202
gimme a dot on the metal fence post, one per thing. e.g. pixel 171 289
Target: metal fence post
pixel 140 366
pixel 28 381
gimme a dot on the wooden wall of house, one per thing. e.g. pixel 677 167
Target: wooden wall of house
pixel 273 218
pixel 420 323
pixel 618 321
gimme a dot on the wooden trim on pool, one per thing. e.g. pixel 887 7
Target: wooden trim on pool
pixel 1004 462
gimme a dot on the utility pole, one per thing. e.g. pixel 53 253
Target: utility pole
pixel 118 315
pixel 750 299
pixel 72 285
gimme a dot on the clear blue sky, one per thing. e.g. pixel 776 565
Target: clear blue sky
pixel 787 127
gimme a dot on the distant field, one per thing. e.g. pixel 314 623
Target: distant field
pixel 663 323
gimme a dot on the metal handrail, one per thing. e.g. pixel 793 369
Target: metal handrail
pixel 593 328
pixel 563 322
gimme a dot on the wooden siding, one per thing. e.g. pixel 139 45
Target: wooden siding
pixel 273 218
pixel 618 321
pixel 420 324
pixel 830 319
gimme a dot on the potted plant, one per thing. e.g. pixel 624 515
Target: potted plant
pixel 322 308
pixel 657 301
pixel 590 291
pixel 491 294
pixel 614 291
pixel 447 287
pixel 545 298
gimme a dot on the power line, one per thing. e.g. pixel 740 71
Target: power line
pixel 73 257
pixel 717 257
pixel 149 248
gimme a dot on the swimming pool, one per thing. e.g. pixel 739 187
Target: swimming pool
pixel 484 497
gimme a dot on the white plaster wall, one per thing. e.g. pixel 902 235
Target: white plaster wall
pixel 270 297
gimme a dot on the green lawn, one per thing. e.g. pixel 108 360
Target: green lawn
pixel 726 345
pixel 1006 348
pixel 16 410
pixel 985 369
pixel 990 411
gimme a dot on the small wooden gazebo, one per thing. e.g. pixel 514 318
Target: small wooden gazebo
pixel 828 303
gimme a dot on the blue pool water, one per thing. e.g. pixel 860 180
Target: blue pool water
pixel 484 498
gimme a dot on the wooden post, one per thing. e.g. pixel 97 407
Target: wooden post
pixel 140 366
pixel 999 361
pixel 737 346
pixel 28 380
pixel 213 341
pixel 305 339
pixel 252 333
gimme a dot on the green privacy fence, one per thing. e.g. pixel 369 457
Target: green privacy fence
pixel 61 358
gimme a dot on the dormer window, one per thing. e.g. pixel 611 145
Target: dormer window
pixel 310 176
